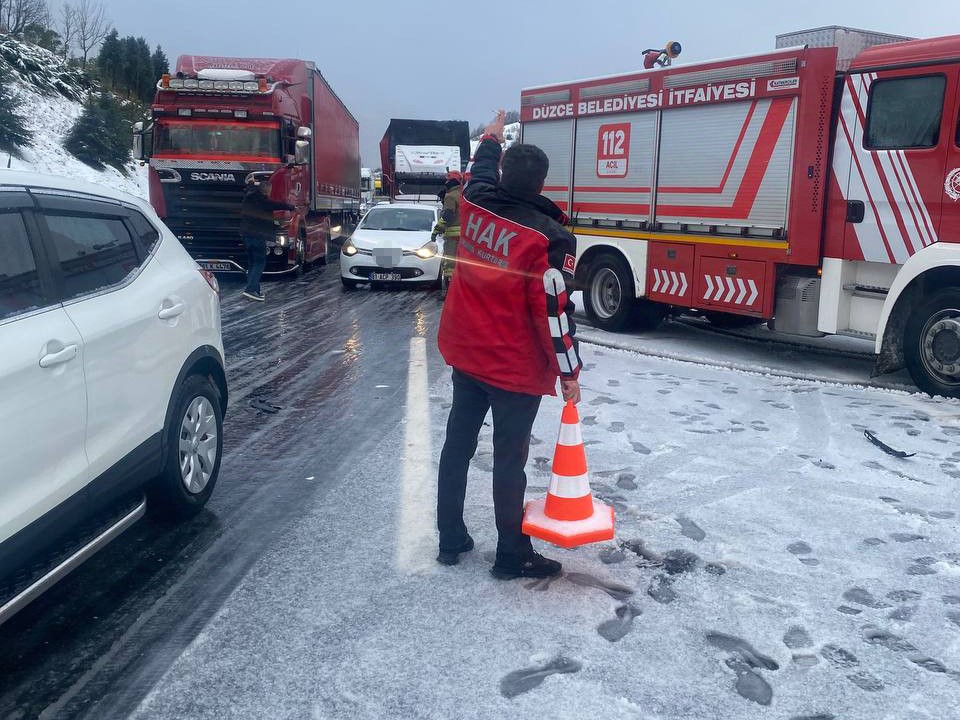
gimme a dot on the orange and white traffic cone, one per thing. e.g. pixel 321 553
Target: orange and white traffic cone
pixel 569 516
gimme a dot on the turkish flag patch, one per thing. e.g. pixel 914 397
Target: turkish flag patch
pixel 569 263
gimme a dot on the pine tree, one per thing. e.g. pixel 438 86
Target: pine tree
pixel 161 65
pixel 14 133
pixel 146 80
pixel 109 61
pixel 100 136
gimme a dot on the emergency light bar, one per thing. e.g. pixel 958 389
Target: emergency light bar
pixel 207 85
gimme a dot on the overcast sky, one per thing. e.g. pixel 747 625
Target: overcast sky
pixel 460 60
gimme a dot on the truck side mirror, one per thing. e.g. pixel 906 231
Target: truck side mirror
pixel 302 153
pixel 142 141
pixel 304 133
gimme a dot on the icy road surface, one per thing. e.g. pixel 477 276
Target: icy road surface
pixel 770 562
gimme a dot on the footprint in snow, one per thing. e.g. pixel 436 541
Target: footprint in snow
pixel 907 537
pixel 618 627
pixel 589 420
pixel 884 638
pixel 904 595
pixel 612 556
pixel 616 427
pixel 661 589
pixel 845 660
pixel 744 660
pixel 626 481
pixel 802 551
pixel 640 448
pixel 862 596
pixel 613 383
pixel 527 679
pixel 688 528
pixel 541 464
pixel 604 400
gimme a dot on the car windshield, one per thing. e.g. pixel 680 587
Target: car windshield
pixel 222 140
pixel 398 218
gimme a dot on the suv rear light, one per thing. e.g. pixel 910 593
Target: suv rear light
pixel 211 281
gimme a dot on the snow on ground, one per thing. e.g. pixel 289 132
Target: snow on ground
pixel 769 563
pixel 51 117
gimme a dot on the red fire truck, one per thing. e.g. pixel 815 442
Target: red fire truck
pixel 215 122
pixel 817 186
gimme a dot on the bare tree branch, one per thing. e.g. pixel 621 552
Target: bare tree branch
pixel 67 27
pixel 92 26
pixel 17 15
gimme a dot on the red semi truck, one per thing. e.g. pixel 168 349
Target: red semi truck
pixel 215 122
pixel 817 186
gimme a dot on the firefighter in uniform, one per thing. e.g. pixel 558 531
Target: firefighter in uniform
pixel 449 227
pixel 507 330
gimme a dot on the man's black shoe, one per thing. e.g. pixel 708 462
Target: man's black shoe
pixel 452 557
pixel 533 565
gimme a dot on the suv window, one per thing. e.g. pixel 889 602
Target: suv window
pixel 144 230
pixel 905 113
pixel 94 252
pixel 20 289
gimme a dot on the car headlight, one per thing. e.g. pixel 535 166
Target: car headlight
pixel 428 250
pixel 348 249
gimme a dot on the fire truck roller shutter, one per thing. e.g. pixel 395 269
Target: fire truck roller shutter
pixel 614 166
pixel 555 138
pixel 727 165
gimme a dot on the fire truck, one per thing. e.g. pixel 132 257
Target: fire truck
pixel 217 122
pixel 816 186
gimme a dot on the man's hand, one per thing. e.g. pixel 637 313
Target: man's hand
pixel 570 390
pixel 496 127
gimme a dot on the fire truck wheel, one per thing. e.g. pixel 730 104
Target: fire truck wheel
pixel 932 344
pixel 729 321
pixel 610 300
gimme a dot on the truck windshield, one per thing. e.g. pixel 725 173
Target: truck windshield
pixel 393 218
pixel 252 141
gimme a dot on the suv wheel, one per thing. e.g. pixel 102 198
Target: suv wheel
pixel 194 449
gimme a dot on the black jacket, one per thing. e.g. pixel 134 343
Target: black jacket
pixel 257 211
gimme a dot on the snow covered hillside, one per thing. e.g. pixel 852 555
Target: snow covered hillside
pixel 51 97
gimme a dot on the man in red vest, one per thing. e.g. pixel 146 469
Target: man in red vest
pixel 507 330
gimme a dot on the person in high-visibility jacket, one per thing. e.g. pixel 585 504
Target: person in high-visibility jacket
pixel 449 227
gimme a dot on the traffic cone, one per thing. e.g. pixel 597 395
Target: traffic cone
pixel 569 516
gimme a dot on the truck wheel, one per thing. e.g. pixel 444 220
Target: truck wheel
pixel 610 300
pixel 729 321
pixel 301 257
pixel 194 449
pixel 932 344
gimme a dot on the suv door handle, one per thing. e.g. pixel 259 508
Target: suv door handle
pixel 175 310
pixel 68 353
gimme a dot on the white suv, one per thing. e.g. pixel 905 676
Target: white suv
pixel 112 384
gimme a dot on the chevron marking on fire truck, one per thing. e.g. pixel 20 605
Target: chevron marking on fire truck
pixel 721 289
pixel 670 283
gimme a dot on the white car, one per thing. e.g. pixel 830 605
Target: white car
pixel 112 384
pixel 392 244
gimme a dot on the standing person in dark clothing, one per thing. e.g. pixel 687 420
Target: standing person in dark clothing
pixel 449 227
pixel 507 329
pixel 258 227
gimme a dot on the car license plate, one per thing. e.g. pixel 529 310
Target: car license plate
pixel 207 265
pixel 385 277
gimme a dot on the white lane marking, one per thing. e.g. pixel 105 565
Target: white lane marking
pixel 417 538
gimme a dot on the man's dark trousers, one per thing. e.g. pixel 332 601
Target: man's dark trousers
pixel 513 416
pixel 256 261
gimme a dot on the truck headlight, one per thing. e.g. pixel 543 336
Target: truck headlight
pixel 348 249
pixel 428 250
pixel 282 240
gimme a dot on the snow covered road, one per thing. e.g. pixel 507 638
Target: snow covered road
pixel 770 562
